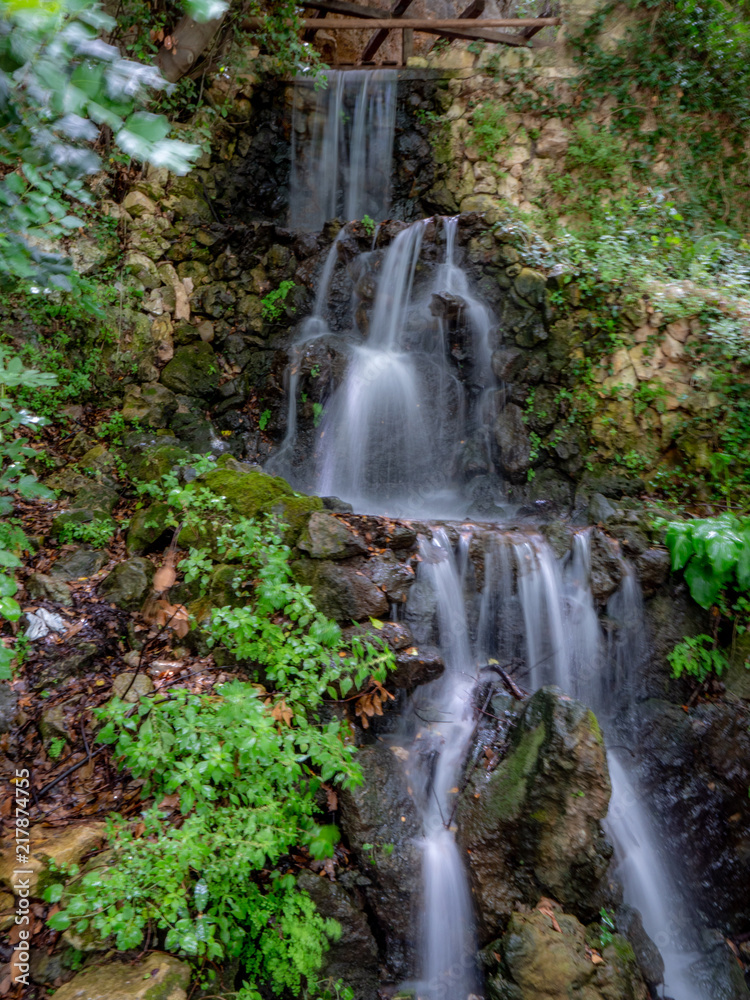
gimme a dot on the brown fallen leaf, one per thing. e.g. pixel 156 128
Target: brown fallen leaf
pixel 545 906
pixel 596 959
pixel 164 578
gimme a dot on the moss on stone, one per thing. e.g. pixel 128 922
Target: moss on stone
pixel 254 492
pixel 508 790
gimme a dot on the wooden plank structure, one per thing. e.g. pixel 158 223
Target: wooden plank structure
pixel 383 22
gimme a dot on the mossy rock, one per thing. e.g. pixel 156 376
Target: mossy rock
pixel 193 371
pixel 153 463
pixel 157 977
pixel 253 492
pixel 146 527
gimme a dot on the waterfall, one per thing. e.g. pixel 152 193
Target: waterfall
pixel 342 147
pixel 403 435
pixel 395 428
pixel 440 744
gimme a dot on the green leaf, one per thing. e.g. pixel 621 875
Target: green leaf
pixel 705 586
pixel 8 586
pixel 59 921
pixel 53 893
pixel 679 541
pixel 10 609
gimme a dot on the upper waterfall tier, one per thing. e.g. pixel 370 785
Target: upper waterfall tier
pixel 342 147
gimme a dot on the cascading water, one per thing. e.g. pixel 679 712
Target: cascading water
pixel 395 428
pixel 342 147
pixel 439 745
pixel 391 442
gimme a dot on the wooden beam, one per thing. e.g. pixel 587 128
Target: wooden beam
pixel 309 33
pixel 407 45
pixel 432 24
pixel 377 39
pixel 344 7
pixel 475 9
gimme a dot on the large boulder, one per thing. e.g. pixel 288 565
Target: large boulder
pixel 513 445
pixel 532 825
pixel 326 537
pixel 128 583
pixel 64 846
pixel 546 956
pixel 157 977
pixel 193 371
pixel 340 590
pixel 381 812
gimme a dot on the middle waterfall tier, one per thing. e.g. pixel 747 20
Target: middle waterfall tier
pixel 405 427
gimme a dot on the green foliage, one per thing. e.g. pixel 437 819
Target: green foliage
pixel 97 533
pixel 368 224
pixel 61 82
pixel 273 305
pixel 317 413
pixel 263 419
pixel 14 478
pixel 607 927
pixel 490 127
pixel 55 747
pixel 246 763
pixel 699 657
pixel 713 553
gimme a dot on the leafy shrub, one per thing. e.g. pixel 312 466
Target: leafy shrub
pixel 698 657
pixel 245 764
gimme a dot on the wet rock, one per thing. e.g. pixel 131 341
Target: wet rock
pixel 47 588
pixel 600 509
pixel 533 825
pixel 8 707
pixel 695 771
pixel 146 528
pixel 415 666
pixel 157 977
pixel 717 973
pixel 193 371
pixel 544 960
pixel 341 591
pixel 607 568
pixel 153 405
pixel 128 583
pixel 396 634
pixel 354 957
pixel 64 845
pixel 392 576
pixel 514 448
pixel 337 505
pixel 132 687
pixel 326 537
pixel 646 953
pixel 653 568
pixel 78 563
pixel 379 812
pixel 531 286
